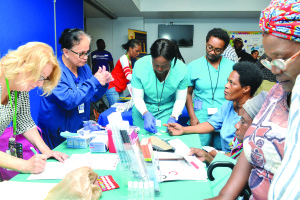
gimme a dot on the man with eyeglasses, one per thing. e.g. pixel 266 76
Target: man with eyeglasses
pixel 207 78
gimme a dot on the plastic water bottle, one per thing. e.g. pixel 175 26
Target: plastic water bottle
pixel 141 190
pixel 151 189
pixel 135 190
pixel 130 191
pixel 146 191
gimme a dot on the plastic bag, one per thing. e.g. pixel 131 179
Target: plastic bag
pixel 80 183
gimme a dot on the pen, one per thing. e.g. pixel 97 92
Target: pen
pixel 34 151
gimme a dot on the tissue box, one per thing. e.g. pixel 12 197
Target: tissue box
pixel 78 142
pixel 99 144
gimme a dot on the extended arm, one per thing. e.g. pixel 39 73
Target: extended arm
pixel 179 103
pixel 237 181
pixel 34 138
pixel 190 108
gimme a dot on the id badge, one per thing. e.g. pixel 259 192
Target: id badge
pixel 197 104
pixel 81 108
pixel 158 123
pixel 211 111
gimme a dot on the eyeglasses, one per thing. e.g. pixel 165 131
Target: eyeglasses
pixel 211 48
pixel 279 63
pixel 43 79
pixel 81 55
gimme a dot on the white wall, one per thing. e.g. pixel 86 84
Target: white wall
pixel 115 32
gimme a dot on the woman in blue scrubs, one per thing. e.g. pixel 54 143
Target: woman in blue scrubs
pixel 159 83
pixel 69 104
pixel 242 83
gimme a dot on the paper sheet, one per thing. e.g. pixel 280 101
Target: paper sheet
pixel 57 170
pixel 180 170
pixel 24 190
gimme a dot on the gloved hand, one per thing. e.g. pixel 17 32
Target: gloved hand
pixel 149 122
pixel 171 120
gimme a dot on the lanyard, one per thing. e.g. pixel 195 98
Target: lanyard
pixel 129 60
pixel 15 115
pixel 158 102
pixel 213 91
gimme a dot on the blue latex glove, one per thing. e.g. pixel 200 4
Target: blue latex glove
pixel 149 122
pixel 171 120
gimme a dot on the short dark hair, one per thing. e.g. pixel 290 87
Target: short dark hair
pixel 250 75
pixel 71 37
pixel 165 48
pixel 131 43
pixel 218 33
pixel 253 51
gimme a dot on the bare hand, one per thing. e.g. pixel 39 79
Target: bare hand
pixel 201 155
pixel 194 121
pixel 61 157
pixel 100 76
pixel 36 164
pixel 174 128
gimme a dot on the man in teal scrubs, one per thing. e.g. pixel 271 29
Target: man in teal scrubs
pixel 207 78
pixel 159 84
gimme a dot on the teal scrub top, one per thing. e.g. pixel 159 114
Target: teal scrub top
pixel 199 73
pixel 143 77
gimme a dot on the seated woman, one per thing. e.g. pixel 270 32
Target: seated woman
pixel 248 112
pixel 264 141
pixel 31 65
pixel 243 82
pixel 159 86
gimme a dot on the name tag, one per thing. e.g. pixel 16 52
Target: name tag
pixel 211 111
pixel 197 104
pixel 81 108
pixel 158 123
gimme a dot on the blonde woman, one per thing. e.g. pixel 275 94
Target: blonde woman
pixel 31 65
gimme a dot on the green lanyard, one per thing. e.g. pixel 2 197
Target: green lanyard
pixel 130 67
pixel 15 115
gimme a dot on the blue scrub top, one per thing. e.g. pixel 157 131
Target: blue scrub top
pixel 143 77
pixel 199 73
pixel 59 111
pixel 224 121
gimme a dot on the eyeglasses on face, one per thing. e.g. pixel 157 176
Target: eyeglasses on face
pixel 211 48
pixel 279 63
pixel 81 55
pixel 43 79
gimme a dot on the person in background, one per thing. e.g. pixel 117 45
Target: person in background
pixel 207 77
pixel 254 54
pixel 69 104
pixel 31 65
pixel 242 83
pixel 269 78
pixel 101 57
pixel 122 72
pixel 248 112
pixel 283 47
pixel 264 141
pixel 230 54
pixel 242 55
pixel 159 86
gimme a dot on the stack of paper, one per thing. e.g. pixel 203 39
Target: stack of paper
pixel 58 170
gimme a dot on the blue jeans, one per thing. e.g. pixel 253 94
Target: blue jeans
pixel 113 96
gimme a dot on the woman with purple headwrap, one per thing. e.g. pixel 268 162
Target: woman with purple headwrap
pixel 264 143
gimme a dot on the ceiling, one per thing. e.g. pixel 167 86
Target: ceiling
pixel 128 8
